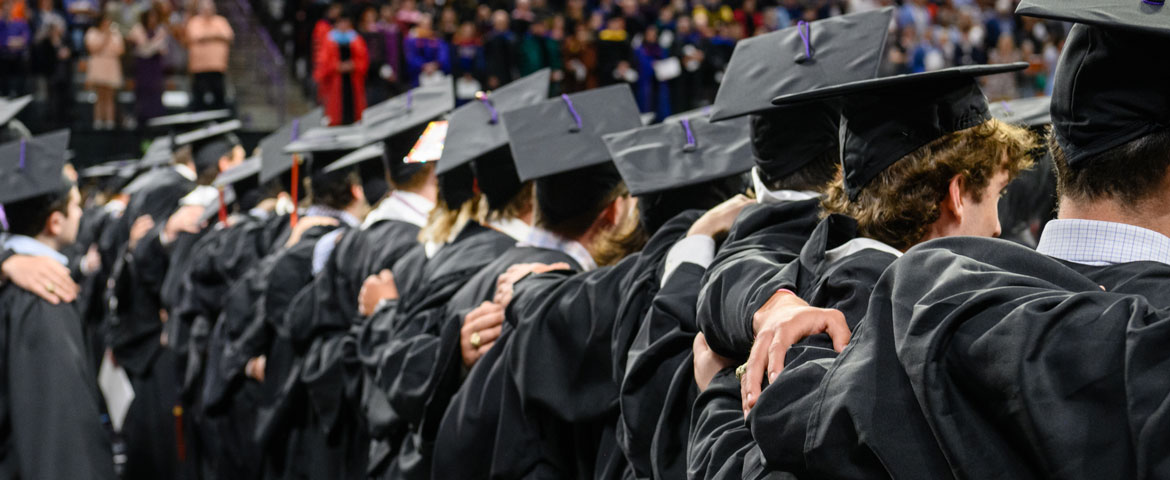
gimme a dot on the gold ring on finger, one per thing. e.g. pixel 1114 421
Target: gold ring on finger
pixel 475 340
pixel 49 287
pixel 740 371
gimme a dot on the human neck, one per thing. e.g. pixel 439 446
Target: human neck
pixel 49 241
pixel 1145 215
pixel 428 190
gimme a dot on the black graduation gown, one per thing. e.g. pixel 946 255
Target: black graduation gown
pixel 400 347
pixel 471 422
pixel 763 239
pixel 50 407
pixel 322 324
pixel 133 331
pixel 567 357
pixel 721 445
pixel 1011 365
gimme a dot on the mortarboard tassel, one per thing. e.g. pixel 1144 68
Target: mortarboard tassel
pixel 573 112
pixel 3 219
pixel 409 100
pixel 23 144
pixel 223 216
pixel 805 30
pixel 690 146
pixel 296 162
pixel 483 98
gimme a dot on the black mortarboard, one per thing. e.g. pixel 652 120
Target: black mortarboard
pixel 273 158
pixel 9 108
pixel 885 119
pixel 784 140
pixel 703 112
pixel 1149 16
pixel 418 105
pixel 673 155
pixel 107 169
pixel 31 167
pixel 368 152
pixel 476 128
pixel 563 134
pixel 210 143
pixel 1028 112
pixel 248 169
pixel 1111 81
pixel 805 57
pixel 185 119
pixel 157 154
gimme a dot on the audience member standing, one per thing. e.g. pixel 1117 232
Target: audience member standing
pixel 580 55
pixel 427 55
pixel 499 51
pixel 341 65
pixel 652 92
pixel 377 88
pixel 15 38
pixel 104 70
pixel 468 66
pixel 209 40
pixel 150 38
pixel 51 55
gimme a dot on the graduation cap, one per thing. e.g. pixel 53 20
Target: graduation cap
pixel 31 167
pixel 185 119
pixel 885 119
pixel 274 160
pixel 1147 16
pixel 108 169
pixel 476 128
pixel 808 56
pixel 1028 112
pixel 9 108
pixel 673 155
pixel 246 170
pixel 368 152
pixel 159 153
pixel 703 112
pixel 786 139
pixel 210 143
pixel 425 102
pixel 1111 81
pixel 563 134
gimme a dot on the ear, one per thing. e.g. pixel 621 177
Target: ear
pixel 55 224
pixel 954 203
pixel 357 192
pixel 225 162
pixel 612 212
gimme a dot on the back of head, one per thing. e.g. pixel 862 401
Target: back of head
pixel 569 203
pixel 898 206
pixel 655 209
pixel 28 216
pixel 796 147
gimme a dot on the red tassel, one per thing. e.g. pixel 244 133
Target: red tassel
pixel 180 443
pixel 223 215
pixel 292 219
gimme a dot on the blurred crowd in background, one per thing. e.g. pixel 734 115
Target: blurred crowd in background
pixel 672 53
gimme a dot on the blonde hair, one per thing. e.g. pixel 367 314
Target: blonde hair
pixel 903 201
pixel 444 223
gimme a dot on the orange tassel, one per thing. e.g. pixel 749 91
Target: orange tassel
pixel 292 219
pixel 223 215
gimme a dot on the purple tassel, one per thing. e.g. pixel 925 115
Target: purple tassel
pixel 296 129
pixel 690 146
pixel 483 98
pixel 23 144
pixel 805 31
pixel 3 218
pixel 572 111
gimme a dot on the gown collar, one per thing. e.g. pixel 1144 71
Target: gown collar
pixel 25 245
pixel 1098 243
pixel 773 197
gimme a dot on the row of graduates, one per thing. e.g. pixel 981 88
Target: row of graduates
pixel 582 311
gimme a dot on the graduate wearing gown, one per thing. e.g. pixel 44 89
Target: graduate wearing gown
pixel 1018 353
pixel 577 188
pixel 565 322
pixel 133 324
pixel 845 256
pixel 400 343
pixel 50 407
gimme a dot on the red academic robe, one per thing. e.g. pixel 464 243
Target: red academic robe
pixel 328 78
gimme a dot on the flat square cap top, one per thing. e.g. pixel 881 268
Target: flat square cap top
pixel 809 56
pixel 564 133
pixel 30 167
pixel 1028 112
pixel 10 107
pixel 477 128
pixel 192 118
pixel 679 154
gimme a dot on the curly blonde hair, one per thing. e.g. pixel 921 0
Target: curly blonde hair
pixel 899 205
